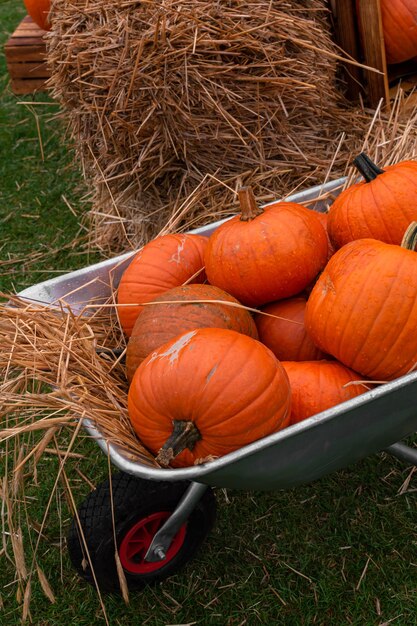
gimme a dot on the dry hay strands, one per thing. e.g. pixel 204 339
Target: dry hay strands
pixel 158 95
pixel 391 136
pixel 54 373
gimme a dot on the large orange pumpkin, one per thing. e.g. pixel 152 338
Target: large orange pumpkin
pixel 399 23
pixel 285 333
pixel 363 308
pixel 206 393
pixel 320 385
pixel 266 254
pixel 380 207
pixel 39 11
pixel 163 263
pixel 186 308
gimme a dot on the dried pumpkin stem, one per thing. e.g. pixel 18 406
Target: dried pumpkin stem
pixel 184 435
pixel 367 167
pixel 409 241
pixel 248 206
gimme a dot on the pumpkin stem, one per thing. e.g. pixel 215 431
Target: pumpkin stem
pixel 409 241
pixel 366 167
pixel 248 205
pixel 184 435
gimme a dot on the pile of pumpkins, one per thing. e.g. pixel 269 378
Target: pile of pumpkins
pixel 281 313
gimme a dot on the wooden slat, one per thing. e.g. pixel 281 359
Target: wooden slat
pixel 369 13
pixel 28 53
pixel 402 70
pixel 28 70
pixel 26 28
pixel 27 32
pixel 25 53
pixel 25 41
pixel 25 86
pixel 30 25
pixel 348 40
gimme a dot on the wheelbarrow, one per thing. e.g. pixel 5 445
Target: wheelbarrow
pixel 157 517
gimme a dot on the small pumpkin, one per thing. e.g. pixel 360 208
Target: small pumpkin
pixel 185 308
pixel 363 308
pixel 319 385
pixel 285 333
pixel 163 263
pixel 380 207
pixel 266 254
pixel 206 393
pixel 39 12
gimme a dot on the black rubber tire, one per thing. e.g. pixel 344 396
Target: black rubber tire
pixel 133 499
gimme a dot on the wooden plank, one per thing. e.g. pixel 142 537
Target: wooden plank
pixel 25 86
pixel 27 32
pixel 28 70
pixel 25 41
pixel 25 53
pixel 29 53
pixel 402 70
pixel 28 26
pixel 348 40
pixel 369 14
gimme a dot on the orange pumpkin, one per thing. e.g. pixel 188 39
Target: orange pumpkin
pixel 159 323
pixel 39 12
pixel 320 385
pixel 206 393
pixel 163 263
pixel 285 333
pixel 363 308
pixel 324 219
pixel 399 23
pixel 266 254
pixel 380 207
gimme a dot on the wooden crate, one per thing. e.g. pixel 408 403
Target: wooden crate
pixel 369 50
pixel 25 53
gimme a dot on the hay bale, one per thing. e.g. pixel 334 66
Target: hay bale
pixel 161 94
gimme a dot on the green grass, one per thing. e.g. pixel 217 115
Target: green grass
pixel 38 183
pixel 339 551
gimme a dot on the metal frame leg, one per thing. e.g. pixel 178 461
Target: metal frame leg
pixel 404 453
pixel 163 538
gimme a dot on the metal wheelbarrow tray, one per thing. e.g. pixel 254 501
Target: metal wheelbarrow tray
pixel 304 452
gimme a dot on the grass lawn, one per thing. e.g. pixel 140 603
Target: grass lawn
pixel 337 552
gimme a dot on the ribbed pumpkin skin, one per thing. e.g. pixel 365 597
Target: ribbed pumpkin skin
pixel 287 338
pixel 319 385
pixel 399 21
pixel 163 263
pixel 38 11
pixel 230 385
pixel 363 309
pixel 380 209
pixel 160 323
pixel 273 256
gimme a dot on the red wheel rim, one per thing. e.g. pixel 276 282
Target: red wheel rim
pixel 137 540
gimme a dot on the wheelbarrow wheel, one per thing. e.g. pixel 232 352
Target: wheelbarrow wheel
pixel 140 507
